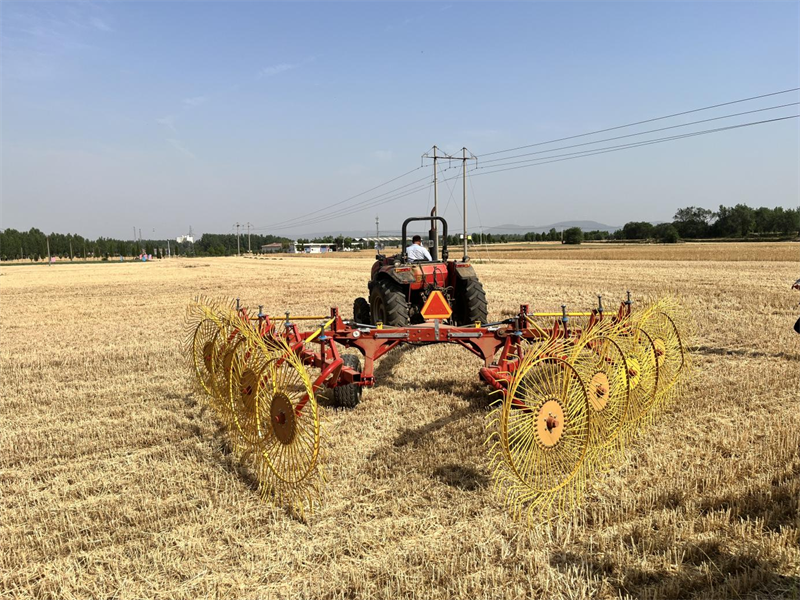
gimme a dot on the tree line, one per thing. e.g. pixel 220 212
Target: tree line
pixel 739 221
pixel 33 245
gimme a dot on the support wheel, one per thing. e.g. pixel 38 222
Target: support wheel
pixel 349 395
pixel 471 305
pixel 388 304
pixel 361 312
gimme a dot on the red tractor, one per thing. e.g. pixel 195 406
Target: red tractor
pixel 399 287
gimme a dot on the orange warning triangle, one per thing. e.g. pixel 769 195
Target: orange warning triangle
pixel 436 307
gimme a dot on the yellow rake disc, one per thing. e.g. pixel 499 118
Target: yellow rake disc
pixel 600 362
pixel 669 347
pixel 246 372
pixel 283 423
pixel 541 436
pixel 203 334
pixel 642 372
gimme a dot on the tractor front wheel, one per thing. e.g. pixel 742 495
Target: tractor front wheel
pixel 388 304
pixel 361 312
pixel 471 305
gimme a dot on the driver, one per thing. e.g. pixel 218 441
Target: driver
pixel 416 251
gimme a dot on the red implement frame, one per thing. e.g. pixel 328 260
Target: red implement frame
pixel 499 345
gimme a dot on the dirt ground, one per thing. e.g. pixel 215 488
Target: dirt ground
pixel 116 481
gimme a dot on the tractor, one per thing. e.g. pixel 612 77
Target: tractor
pixel 399 287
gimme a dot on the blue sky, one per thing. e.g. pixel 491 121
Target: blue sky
pixel 163 115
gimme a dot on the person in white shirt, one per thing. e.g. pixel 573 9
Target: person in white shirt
pixel 416 251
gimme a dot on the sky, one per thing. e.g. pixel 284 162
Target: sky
pixel 166 115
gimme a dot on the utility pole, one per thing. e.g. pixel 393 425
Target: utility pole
pixel 70 249
pixel 435 206
pixel 169 254
pixel 434 223
pixel 464 158
pixel 377 232
pixel 464 173
pixel 49 260
pixel 436 156
pixel 248 238
pixel 238 251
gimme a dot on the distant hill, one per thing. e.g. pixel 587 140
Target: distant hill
pixel 584 225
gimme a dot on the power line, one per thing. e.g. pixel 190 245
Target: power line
pixel 340 202
pixel 353 210
pixel 359 206
pixel 498 168
pixel 619 137
pixel 686 112
pixel 582 154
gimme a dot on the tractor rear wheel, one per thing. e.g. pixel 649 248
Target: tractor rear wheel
pixel 388 304
pixel 361 313
pixel 471 305
pixel 348 395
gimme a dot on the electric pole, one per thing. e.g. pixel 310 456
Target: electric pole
pixel 169 254
pixel 434 223
pixel 238 251
pixel 464 173
pixel 248 238
pixel 464 158
pixel 377 232
pixel 49 259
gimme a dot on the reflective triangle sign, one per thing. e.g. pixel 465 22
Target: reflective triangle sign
pixel 436 307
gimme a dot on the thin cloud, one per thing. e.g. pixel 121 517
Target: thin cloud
pixel 384 155
pixel 100 24
pixel 168 122
pixel 181 148
pixel 276 69
pixel 194 101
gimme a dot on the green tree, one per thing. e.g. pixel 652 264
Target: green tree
pixel 637 230
pixel 573 235
pixel 692 222
pixel 666 233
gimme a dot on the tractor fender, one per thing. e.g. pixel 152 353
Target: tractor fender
pixel 465 271
pixel 403 276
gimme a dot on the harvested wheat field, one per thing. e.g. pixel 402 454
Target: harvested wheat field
pixel 117 482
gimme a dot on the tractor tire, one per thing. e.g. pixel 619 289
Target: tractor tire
pixel 471 305
pixel 361 313
pixel 349 395
pixel 388 304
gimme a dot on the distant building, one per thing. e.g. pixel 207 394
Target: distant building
pixel 185 238
pixel 272 248
pixel 312 248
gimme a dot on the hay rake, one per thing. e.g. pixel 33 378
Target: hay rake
pixel 573 388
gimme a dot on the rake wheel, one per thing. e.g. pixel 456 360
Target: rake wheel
pixel 203 334
pixel 283 426
pixel 600 362
pixel 669 347
pixel 541 438
pixel 245 376
pixel 642 372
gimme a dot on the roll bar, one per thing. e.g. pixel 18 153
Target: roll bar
pixel 445 254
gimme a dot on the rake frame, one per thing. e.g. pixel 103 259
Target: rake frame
pixel 508 337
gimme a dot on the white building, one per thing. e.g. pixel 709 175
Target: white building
pixel 185 238
pixel 313 248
